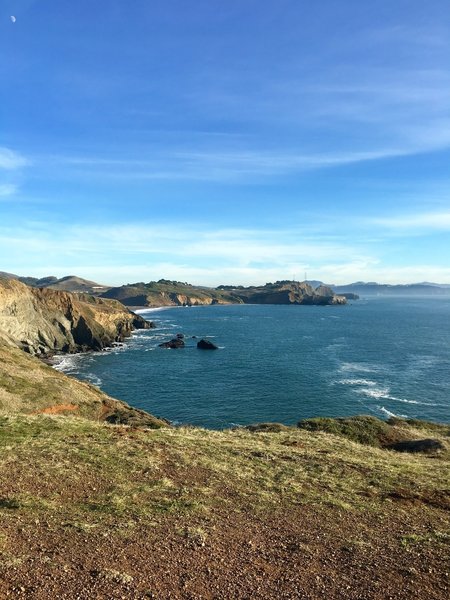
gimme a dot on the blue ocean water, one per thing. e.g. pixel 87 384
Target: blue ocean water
pixel 379 356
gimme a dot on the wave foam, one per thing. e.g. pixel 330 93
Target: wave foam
pixel 357 382
pixel 66 363
pixel 389 413
pixel 358 367
pixel 380 392
pixel 93 379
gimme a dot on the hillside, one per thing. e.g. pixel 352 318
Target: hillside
pixel 382 289
pixel 89 510
pixel 175 293
pixel 101 500
pixel 169 293
pixel 72 283
pixel 29 386
pixel 42 321
pixel 286 292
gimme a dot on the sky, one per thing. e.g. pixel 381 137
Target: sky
pixel 225 142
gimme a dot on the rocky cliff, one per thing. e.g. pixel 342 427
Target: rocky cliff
pixel 43 321
pixel 287 292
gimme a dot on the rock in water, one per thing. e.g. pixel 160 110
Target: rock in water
pixel 206 345
pixel 173 344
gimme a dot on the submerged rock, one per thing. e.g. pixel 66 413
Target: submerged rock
pixel 173 344
pixel 206 345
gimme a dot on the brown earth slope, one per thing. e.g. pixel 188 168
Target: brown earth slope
pixel 94 511
pixel 29 386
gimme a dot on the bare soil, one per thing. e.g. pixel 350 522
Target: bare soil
pixel 60 538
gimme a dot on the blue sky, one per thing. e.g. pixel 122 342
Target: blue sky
pixel 225 142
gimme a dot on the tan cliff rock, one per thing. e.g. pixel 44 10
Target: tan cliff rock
pixel 174 299
pixel 42 321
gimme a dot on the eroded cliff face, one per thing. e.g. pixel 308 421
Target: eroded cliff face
pixel 290 292
pixel 174 299
pixel 43 321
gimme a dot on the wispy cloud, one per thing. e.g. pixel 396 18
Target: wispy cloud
pixel 210 256
pixel 222 253
pixel 7 189
pixel 11 160
pixel 439 221
pixel 237 165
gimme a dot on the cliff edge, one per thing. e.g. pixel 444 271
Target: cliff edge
pixel 44 321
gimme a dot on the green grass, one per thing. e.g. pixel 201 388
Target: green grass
pixel 90 473
pixel 371 431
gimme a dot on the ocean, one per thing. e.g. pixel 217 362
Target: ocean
pixel 378 356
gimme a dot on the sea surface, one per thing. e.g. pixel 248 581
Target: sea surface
pixel 378 356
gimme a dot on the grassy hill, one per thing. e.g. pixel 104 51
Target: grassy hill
pixel 29 386
pixel 176 293
pixel 69 283
pixel 169 293
pixel 100 500
pixel 90 510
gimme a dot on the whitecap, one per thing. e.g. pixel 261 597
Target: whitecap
pixel 66 363
pixel 380 392
pixel 389 413
pixel 357 382
pixel 93 379
pixel 416 402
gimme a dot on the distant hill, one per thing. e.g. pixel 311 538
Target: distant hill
pixel 383 289
pixel 286 292
pixel 70 283
pixel 169 293
pixel 175 293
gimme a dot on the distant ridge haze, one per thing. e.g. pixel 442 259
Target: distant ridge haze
pixel 73 283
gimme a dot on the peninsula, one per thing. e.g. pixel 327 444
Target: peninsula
pixel 176 293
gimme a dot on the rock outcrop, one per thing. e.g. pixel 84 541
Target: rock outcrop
pixel 206 345
pixel 173 344
pixel 44 321
pixel 288 292
pixel 426 445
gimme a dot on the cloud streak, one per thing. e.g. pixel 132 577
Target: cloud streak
pixel 11 160
pixel 7 189
pixel 240 165
pixel 438 221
